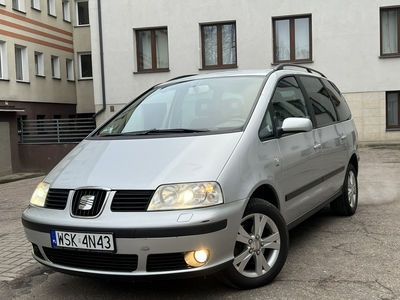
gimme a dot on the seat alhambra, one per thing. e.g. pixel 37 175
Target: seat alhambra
pixel 198 175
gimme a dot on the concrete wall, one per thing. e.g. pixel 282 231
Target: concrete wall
pixel 5 149
pixel 84 87
pixel 369 113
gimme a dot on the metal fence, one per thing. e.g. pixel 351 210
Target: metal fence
pixel 55 131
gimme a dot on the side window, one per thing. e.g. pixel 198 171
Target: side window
pixel 267 127
pixel 338 100
pixel 288 100
pixel 321 103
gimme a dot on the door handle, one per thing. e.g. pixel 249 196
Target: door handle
pixel 317 146
pixel 343 137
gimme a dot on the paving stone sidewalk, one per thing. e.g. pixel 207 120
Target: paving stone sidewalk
pixel 15 255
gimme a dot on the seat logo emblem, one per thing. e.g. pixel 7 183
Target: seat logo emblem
pixel 86 202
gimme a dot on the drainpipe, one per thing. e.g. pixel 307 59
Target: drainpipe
pixel 103 88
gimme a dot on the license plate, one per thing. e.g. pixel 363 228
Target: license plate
pixel 83 241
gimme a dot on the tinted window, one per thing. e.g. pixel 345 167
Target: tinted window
pixel 338 100
pixel 321 103
pixel 288 100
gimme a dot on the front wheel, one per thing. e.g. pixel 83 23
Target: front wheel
pixel 261 247
pixel 346 204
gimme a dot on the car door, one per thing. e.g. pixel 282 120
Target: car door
pixel 332 135
pixel 301 153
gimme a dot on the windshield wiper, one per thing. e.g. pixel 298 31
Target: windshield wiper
pixel 157 131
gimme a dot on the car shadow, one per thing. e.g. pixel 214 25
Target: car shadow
pixel 71 287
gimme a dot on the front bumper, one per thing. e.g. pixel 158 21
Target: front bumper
pixel 149 245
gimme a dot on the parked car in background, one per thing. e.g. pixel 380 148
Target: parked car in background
pixel 198 175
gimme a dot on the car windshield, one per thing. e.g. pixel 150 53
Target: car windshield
pixel 215 104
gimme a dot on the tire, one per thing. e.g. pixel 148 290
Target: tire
pixel 346 203
pixel 261 247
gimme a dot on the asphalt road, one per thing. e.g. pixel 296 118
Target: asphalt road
pixel 329 257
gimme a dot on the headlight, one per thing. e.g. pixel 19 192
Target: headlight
pixel 39 195
pixel 185 196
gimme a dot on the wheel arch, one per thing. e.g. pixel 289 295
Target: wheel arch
pixel 267 193
pixel 354 162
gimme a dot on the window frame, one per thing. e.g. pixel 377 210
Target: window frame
pixel 392 127
pixel 24 63
pixel 154 67
pixel 78 23
pixel 3 60
pixel 35 4
pixel 70 69
pixel 80 65
pixel 18 5
pixel 55 67
pixel 66 9
pixel 51 8
pixel 292 40
pixel 384 9
pixel 220 64
pixel 39 64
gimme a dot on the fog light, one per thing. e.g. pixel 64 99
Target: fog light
pixel 197 258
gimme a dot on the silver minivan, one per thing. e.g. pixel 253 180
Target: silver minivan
pixel 198 175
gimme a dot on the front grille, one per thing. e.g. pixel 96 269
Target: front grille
pixel 131 201
pixel 166 262
pixel 90 211
pixel 92 260
pixel 56 199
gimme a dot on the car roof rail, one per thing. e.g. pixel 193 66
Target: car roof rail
pixel 309 70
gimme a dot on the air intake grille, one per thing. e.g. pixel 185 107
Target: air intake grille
pixel 166 262
pixel 94 200
pixel 92 260
pixel 131 201
pixel 56 199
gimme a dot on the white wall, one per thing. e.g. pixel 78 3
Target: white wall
pixel 345 40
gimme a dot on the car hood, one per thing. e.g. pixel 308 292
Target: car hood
pixel 143 163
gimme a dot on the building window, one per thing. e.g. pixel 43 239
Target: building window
pixel 82 12
pixel 70 69
pixel 55 67
pixel 39 64
pixel 2 2
pixel 18 5
pixel 21 63
pixel 3 60
pixel 292 39
pixel 390 31
pixel 392 110
pixel 66 11
pixel 152 49
pixel 51 7
pixel 35 4
pixel 85 65
pixel 218 45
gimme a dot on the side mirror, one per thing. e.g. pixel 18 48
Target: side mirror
pixel 291 125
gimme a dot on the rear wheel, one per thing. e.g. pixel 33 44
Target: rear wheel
pixel 261 247
pixel 346 204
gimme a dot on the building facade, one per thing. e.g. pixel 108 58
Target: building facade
pixel 137 44
pixel 45 67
